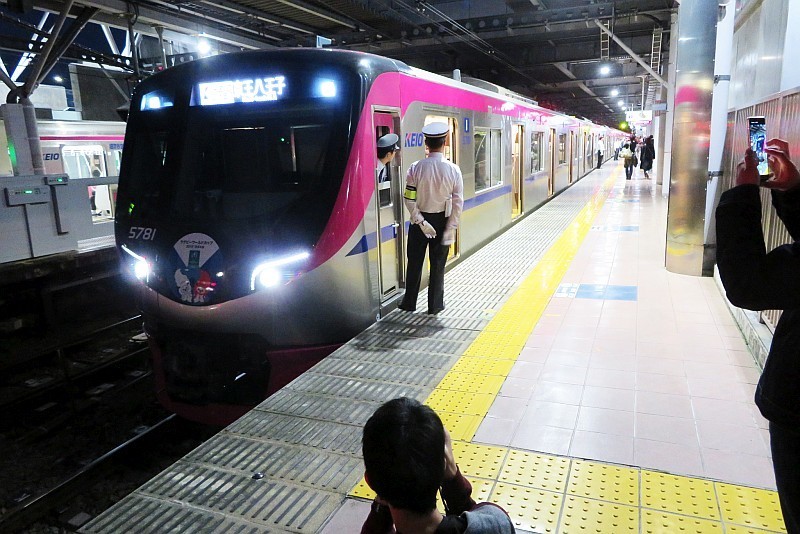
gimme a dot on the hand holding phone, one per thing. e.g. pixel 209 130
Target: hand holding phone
pixel 758 144
pixel 785 173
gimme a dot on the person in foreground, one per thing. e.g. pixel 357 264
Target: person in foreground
pixel 408 457
pixel 759 280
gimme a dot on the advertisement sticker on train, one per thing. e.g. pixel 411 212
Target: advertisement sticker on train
pixel 196 257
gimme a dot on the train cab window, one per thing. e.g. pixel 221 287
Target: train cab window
pixel 536 151
pixel 488 172
pixel 562 149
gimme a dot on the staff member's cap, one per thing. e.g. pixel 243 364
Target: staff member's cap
pixel 435 130
pixel 388 140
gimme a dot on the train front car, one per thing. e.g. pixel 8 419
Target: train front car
pixel 237 196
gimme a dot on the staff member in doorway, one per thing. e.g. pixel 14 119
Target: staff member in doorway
pixel 387 145
pixel 434 198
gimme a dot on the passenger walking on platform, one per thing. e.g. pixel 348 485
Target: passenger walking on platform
pixel 627 158
pixel 434 197
pixel 648 154
pixel 408 457
pixel 759 280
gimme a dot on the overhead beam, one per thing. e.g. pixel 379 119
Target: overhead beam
pixel 634 55
pixel 183 29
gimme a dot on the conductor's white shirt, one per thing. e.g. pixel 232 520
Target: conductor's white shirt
pixel 431 184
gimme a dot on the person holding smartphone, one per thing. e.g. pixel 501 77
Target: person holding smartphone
pixel 755 279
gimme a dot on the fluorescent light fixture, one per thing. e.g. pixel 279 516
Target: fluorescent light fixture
pixel 614 92
pixel 272 273
pixel 204 47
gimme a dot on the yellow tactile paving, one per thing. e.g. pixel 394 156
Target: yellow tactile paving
pixel 482 461
pixel 750 507
pixel 471 383
pixel 483 366
pixel 654 522
pixel 604 481
pixel 536 471
pixel 737 529
pixel 693 497
pixel 530 509
pixel 461 426
pixel 460 402
pixel 552 494
pixel 588 515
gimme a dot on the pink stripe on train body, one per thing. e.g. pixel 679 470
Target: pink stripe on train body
pixel 358 185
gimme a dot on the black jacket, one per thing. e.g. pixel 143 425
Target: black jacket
pixel 757 280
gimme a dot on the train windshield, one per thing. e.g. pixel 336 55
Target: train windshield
pixel 215 159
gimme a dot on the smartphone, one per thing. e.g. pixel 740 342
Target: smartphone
pixel 758 142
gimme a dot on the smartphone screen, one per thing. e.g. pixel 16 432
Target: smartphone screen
pixel 758 142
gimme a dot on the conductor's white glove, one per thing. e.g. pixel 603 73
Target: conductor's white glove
pixel 449 236
pixel 427 229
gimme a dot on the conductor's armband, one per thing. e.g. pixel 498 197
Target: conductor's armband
pixel 410 193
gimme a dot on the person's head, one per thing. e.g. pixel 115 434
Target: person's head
pixel 403 447
pixel 387 145
pixel 626 145
pixel 435 135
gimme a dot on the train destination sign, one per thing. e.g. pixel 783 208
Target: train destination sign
pixel 246 90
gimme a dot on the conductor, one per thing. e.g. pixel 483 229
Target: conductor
pixel 434 197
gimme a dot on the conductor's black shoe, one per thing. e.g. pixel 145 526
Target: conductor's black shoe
pixel 435 311
pixel 405 308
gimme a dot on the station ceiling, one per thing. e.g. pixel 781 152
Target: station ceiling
pixel 550 50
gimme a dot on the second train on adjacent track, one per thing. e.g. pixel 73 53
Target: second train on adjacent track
pixel 250 210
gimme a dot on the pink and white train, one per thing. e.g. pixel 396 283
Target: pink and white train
pixel 250 212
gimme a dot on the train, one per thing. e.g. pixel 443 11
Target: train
pixel 250 217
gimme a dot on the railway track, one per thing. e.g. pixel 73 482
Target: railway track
pixel 130 463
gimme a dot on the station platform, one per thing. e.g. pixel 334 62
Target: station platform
pixel 586 389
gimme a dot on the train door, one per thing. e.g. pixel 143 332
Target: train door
pixel 451 154
pixel 551 179
pixel 387 180
pixel 86 162
pixel 571 156
pixel 517 171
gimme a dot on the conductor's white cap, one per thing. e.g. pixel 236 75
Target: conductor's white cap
pixel 388 140
pixel 435 129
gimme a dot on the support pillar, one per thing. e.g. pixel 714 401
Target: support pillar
pixel 694 87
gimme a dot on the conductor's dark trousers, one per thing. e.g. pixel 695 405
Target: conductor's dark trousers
pixel 416 247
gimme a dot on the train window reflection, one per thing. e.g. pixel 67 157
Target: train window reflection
pixel 487 158
pixel 536 151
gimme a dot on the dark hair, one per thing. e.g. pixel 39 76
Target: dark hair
pixel 403 447
pixel 434 142
pixel 385 150
pixel 626 145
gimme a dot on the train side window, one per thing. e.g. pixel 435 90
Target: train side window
pixel 562 149
pixel 488 165
pixel 536 151
pixel 479 142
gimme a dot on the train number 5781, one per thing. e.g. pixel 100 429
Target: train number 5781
pixel 141 232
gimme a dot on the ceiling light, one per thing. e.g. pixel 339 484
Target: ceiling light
pixel 605 69
pixel 614 92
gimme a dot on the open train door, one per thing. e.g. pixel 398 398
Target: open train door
pixel 451 154
pixel 517 170
pixel 551 179
pixel 390 206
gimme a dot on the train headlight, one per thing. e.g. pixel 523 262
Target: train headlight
pixel 141 267
pixel 274 272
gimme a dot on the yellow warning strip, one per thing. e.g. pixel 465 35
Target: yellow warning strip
pixel 548 493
